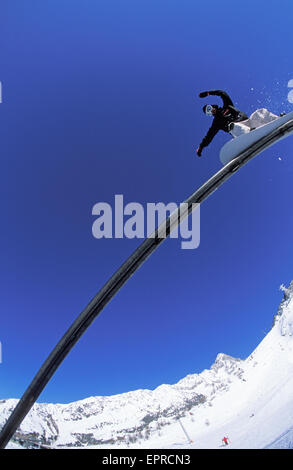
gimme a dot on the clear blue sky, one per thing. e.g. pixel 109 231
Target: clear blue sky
pixel 101 98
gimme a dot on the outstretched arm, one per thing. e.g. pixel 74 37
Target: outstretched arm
pixel 208 138
pixel 222 94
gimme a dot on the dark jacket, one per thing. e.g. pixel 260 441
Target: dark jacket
pixel 223 117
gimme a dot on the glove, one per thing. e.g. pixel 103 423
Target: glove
pixel 203 94
pixel 198 151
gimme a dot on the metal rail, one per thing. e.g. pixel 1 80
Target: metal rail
pixel 120 277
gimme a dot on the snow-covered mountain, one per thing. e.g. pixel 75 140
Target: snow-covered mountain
pixel 250 401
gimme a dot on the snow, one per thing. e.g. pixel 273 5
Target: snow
pixel 250 401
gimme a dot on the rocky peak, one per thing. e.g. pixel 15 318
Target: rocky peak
pixel 285 303
pixel 228 363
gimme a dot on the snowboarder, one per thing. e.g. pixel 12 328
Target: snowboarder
pixel 225 440
pixel 230 119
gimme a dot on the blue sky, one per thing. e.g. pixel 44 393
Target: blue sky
pixel 101 98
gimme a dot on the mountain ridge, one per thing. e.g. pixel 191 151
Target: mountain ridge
pixel 204 402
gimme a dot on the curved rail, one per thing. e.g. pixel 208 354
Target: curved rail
pixel 120 277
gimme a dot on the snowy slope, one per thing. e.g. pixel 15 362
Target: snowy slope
pixel 249 401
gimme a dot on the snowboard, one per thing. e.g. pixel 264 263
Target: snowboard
pixel 237 145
